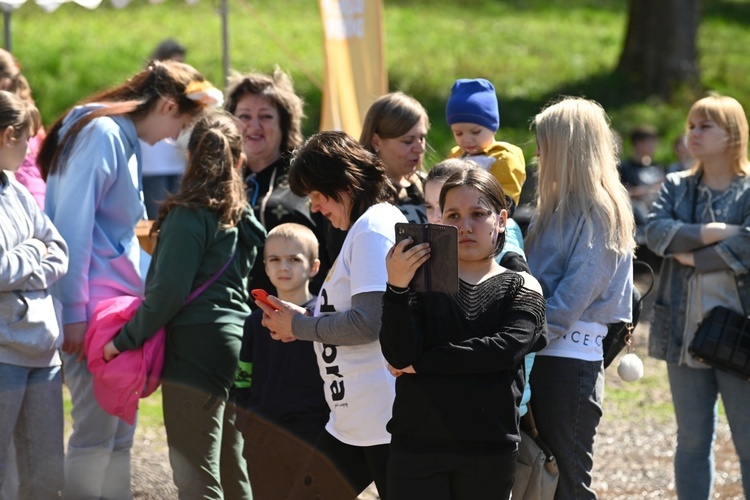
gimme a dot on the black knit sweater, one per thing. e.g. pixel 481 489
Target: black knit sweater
pixel 467 350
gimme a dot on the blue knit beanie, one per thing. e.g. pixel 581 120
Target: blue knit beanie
pixel 473 101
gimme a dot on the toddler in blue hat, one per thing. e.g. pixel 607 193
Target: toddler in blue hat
pixel 473 116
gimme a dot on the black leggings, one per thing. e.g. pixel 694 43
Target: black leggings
pixel 450 476
pixel 361 465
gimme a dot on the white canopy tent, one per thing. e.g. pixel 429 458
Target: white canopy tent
pixel 8 6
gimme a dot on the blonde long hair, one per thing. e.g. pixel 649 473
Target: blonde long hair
pixel 728 114
pixel 578 173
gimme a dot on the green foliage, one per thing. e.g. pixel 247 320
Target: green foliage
pixel 532 50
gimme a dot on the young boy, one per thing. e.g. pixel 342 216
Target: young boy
pixel 279 384
pixel 473 116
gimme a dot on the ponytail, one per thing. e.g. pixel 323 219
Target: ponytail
pixel 136 97
pixel 212 179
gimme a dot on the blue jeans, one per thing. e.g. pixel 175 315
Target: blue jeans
pixel 695 394
pixel 566 401
pixel 31 413
pixel 98 461
pixel 155 191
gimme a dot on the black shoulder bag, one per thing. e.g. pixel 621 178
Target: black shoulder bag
pixel 723 337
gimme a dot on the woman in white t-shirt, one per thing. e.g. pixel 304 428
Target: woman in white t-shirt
pixel 349 186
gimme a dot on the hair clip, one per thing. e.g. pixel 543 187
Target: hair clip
pixel 205 94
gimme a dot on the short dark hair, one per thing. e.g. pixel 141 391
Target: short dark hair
pixel 168 49
pixel 333 163
pixel 441 171
pixel 643 132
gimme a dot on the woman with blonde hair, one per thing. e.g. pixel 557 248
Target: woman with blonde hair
pixel 580 248
pixel 701 225
pixel 395 129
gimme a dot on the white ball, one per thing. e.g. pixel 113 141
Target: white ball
pixel 630 368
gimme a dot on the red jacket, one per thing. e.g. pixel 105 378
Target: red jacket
pixel 131 375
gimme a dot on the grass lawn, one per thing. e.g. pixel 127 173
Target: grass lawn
pixel 532 50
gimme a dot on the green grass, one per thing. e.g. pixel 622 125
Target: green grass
pixel 648 398
pixel 150 413
pixel 532 50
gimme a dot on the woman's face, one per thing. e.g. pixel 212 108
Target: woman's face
pixel 478 223
pixel 432 200
pixel 404 154
pixel 338 212
pixel 706 139
pixel 261 131
pixel 163 122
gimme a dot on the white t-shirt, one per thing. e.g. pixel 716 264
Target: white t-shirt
pixel 583 341
pixel 357 385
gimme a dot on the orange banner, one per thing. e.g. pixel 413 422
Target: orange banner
pixel 355 71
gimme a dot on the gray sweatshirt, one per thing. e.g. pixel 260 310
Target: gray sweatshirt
pixel 29 327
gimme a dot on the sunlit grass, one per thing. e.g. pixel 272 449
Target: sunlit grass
pixel 531 50
pixel 648 398
pixel 150 415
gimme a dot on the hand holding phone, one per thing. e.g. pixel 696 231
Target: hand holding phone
pixel 440 272
pixel 262 296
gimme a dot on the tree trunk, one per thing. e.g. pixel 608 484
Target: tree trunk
pixel 660 52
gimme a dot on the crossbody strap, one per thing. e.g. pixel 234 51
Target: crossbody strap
pixel 195 293
pixel 531 430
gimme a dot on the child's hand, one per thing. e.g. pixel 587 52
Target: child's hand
pixel 74 335
pixel 110 351
pixel 397 373
pixel 39 245
pixel 402 264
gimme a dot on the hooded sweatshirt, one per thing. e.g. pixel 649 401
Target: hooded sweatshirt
pixel 29 330
pixel 94 200
pixel 190 248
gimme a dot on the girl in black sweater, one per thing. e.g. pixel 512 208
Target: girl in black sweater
pixel 458 358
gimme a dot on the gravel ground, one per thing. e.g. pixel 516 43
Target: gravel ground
pixel 633 459
pixel 633 452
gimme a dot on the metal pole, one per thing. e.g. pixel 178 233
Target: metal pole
pixel 224 12
pixel 6 29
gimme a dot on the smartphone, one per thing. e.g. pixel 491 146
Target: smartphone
pixel 440 272
pixel 262 296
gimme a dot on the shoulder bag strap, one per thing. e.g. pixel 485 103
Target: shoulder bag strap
pixel 195 293
pixel 533 432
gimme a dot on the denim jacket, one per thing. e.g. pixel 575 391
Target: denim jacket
pixel 670 212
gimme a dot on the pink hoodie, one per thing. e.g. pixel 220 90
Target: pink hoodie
pixel 131 375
